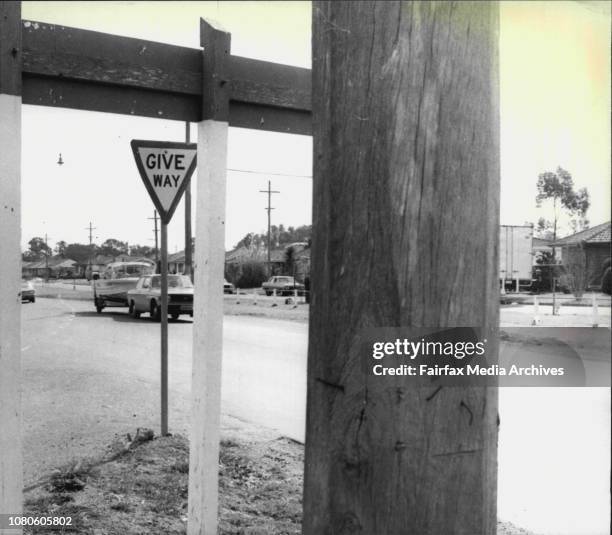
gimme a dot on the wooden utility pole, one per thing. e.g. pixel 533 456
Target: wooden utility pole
pixel 188 239
pixel 46 259
pixel 155 218
pixel 405 230
pixel 91 228
pixel 269 208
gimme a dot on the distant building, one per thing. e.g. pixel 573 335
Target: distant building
pixel 591 248
pixel 176 262
pixel 53 267
pixel 278 259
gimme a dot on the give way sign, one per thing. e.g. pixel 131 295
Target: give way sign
pixel 165 168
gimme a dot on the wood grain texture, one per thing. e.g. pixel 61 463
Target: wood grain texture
pixel 10 48
pixel 215 82
pixel 405 223
pixel 87 70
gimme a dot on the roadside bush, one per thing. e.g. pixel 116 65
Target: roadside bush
pixel 252 275
pixel 232 273
pixel 606 282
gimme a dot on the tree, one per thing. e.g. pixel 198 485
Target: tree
pixel 113 247
pixel 141 250
pixel 290 260
pixel 38 249
pixel 280 236
pixel 558 188
pixel 250 275
pixel 79 252
pixel 543 229
pixel 60 247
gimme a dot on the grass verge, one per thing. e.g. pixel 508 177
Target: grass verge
pixel 141 488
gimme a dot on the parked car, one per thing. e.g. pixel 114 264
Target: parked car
pixel 228 287
pixel 146 297
pixel 283 284
pixel 28 293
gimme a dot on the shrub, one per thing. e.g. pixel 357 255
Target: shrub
pixel 252 275
pixel 606 282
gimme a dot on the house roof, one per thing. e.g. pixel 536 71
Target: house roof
pixel 597 234
pixel 53 262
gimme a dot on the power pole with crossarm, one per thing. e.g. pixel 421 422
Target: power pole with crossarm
pixel 155 218
pixel 269 209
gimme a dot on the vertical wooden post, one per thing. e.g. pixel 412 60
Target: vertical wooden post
pixel 208 278
pixel 405 230
pixel 164 328
pixel 11 482
pixel 188 235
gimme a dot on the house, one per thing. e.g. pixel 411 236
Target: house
pixel 176 262
pixel 300 267
pixel 53 267
pixel 588 249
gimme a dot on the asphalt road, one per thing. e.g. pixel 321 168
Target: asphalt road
pixel 89 376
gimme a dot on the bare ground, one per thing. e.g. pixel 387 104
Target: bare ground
pixel 140 487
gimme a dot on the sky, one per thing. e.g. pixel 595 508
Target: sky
pixel 555 95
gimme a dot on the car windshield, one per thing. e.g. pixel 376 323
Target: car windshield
pixel 174 281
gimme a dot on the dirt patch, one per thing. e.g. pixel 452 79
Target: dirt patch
pixel 141 488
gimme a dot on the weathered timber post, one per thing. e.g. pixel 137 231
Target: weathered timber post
pixel 405 230
pixel 208 278
pixel 188 236
pixel 10 259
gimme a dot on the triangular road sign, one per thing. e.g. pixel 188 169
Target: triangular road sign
pixel 165 168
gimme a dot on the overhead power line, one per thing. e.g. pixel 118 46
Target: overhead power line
pixel 273 174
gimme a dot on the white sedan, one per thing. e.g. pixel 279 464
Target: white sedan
pixel 146 297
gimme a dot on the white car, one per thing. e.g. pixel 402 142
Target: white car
pixel 146 297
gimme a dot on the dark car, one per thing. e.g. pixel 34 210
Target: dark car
pixel 28 293
pixel 283 285
pixel 228 287
pixel 146 297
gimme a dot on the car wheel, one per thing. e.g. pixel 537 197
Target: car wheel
pixel 99 305
pixel 175 316
pixel 133 312
pixel 155 311
pixel 33 300
pixel 268 293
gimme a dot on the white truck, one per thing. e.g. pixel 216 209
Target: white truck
pixel 515 256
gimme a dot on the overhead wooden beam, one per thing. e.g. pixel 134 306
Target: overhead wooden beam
pixel 405 225
pixel 87 70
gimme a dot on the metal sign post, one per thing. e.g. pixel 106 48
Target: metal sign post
pixel 165 169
